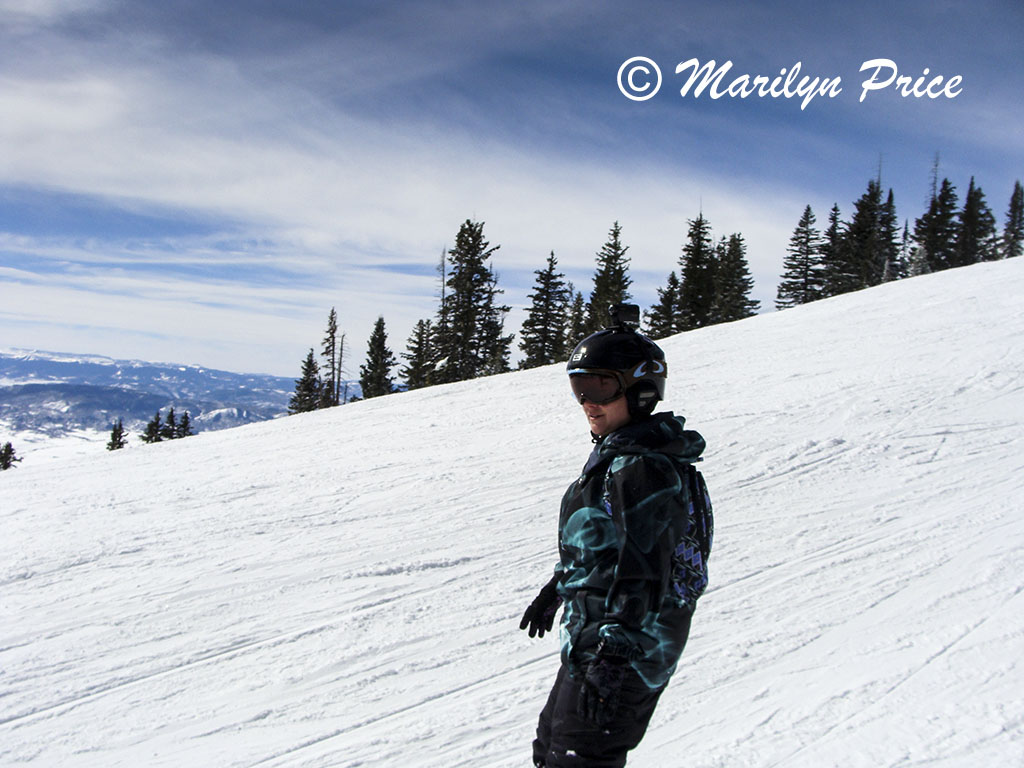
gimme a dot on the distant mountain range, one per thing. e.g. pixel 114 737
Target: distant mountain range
pixel 55 394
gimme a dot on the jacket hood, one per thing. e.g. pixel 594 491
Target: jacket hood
pixel 661 433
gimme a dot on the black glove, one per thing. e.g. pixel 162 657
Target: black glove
pixel 540 616
pixel 599 689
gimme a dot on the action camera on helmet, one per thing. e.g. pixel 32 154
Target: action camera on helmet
pixel 624 315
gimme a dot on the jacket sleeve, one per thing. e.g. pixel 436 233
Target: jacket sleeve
pixel 647 501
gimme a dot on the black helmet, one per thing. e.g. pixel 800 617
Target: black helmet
pixel 635 362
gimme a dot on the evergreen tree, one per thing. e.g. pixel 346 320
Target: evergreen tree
pixel 419 353
pixel 342 384
pixel 495 344
pixel 935 230
pixel 543 335
pixel 576 319
pixel 169 430
pixel 836 275
pixel 944 256
pixel 8 458
pixel 441 337
pixel 890 241
pixel 1012 242
pixel 153 430
pixel 975 233
pixel 897 267
pixel 663 319
pixel 470 341
pixel 307 389
pixel 330 392
pixel 697 290
pixel 919 263
pixel 184 427
pixel 733 282
pixel 905 246
pixel 611 280
pixel 375 376
pixel 863 248
pixel 117 438
pixel 802 280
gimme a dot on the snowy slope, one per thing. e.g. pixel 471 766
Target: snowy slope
pixel 343 588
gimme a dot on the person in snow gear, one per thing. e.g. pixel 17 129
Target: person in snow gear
pixel 634 535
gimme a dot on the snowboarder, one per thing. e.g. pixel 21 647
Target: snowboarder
pixel 634 533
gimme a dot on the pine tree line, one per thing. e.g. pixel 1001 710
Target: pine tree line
pixel 714 286
pixel 466 338
pixel 559 317
pixel 156 430
pixel 871 248
pixel 322 386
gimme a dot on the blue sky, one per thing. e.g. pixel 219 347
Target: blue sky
pixel 201 182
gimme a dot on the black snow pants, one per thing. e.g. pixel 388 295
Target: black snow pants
pixel 565 740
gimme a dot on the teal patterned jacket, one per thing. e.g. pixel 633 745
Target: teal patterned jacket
pixel 619 528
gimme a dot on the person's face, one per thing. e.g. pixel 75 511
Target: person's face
pixel 605 419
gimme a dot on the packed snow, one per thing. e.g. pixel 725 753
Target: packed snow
pixel 344 588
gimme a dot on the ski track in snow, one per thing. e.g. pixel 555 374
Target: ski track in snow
pixel 344 588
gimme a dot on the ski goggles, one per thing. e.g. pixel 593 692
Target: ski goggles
pixel 597 387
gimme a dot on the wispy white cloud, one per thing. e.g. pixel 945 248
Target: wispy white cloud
pixel 220 321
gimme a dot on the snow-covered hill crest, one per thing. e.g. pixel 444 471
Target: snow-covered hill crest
pixel 343 588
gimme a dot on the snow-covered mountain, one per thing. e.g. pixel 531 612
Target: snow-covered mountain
pixel 54 393
pixel 343 588
pixel 56 404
